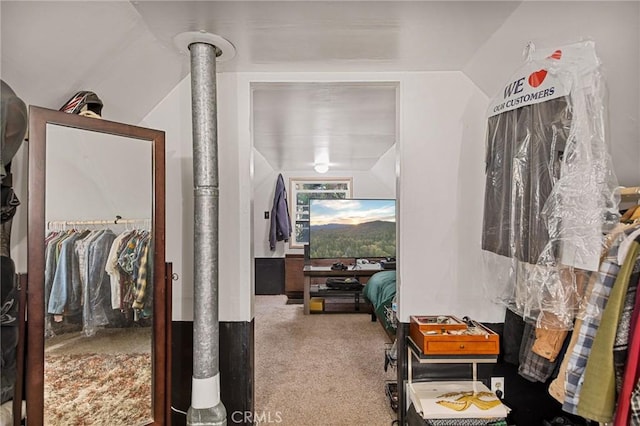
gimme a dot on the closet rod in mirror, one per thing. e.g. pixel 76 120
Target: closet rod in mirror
pixel 56 223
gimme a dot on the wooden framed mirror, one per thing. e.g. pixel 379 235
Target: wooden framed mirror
pixel 97 298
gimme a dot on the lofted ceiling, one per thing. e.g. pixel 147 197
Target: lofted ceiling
pixel 126 53
pixel 345 126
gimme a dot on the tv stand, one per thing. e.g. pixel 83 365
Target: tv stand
pixel 356 271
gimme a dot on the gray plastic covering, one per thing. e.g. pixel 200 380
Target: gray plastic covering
pixel 550 192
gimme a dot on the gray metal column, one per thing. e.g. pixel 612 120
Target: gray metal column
pixel 206 406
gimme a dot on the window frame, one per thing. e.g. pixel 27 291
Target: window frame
pixel 293 200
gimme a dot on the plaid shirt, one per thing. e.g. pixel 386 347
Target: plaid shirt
pixel 609 269
pixel 141 282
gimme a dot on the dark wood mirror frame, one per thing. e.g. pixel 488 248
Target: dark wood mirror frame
pixel 38 120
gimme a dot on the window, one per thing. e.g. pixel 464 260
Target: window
pixel 303 189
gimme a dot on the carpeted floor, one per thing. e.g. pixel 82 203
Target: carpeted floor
pixel 98 389
pixel 106 340
pixel 100 380
pixel 320 369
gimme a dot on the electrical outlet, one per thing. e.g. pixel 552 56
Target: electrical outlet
pixel 497 386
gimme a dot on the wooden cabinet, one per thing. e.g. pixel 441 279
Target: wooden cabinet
pixel 294 276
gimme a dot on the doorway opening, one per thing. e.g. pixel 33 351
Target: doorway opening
pixel 350 128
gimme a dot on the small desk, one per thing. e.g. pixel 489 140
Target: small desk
pixel 326 271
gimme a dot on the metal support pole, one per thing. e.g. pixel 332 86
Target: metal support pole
pixel 206 406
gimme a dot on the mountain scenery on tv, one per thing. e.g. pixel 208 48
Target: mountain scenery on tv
pixel 352 228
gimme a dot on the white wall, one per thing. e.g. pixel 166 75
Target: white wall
pixel 443 118
pixel 173 115
pixel 96 176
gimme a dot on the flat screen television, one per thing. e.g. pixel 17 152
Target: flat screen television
pixel 352 228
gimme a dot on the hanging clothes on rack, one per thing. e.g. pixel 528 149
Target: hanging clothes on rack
pixel 550 186
pixel 600 334
pixel 51 265
pixel 97 275
pixel 66 294
pixel 96 284
pixel 524 153
pixel 598 395
pixel 114 271
pixel 142 278
pixel 132 262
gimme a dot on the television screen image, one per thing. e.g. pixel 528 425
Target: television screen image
pixel 352 228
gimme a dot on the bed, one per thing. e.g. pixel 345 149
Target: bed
pixel 380 291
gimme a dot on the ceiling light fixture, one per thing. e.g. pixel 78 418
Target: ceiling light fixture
pixel 321 167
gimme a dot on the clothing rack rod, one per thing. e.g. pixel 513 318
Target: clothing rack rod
pixel 97 222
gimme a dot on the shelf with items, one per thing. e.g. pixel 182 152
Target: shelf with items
pixel 474 359
pixel 331 299
pixel 315 285
pixel 431 398
pixel 449 340
pixel 391 362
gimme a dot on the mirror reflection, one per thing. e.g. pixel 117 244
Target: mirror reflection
pixel 98 279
